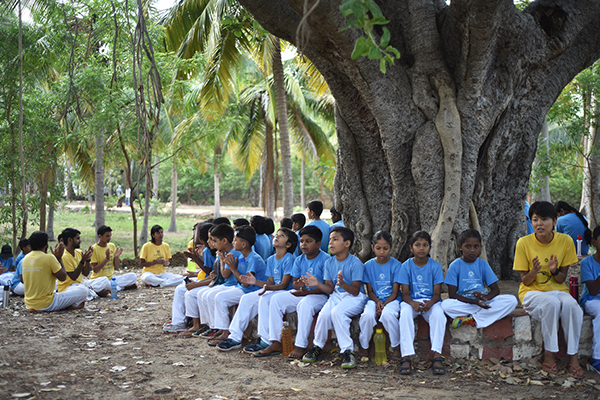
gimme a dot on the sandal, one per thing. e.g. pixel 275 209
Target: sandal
pixel 215 341
pixel 551 369
pixel 577 372
pixel 187 333
pixel 594 365
pixel 439 370
pixel 404 368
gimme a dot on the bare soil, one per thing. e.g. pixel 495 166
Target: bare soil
pixel 118 350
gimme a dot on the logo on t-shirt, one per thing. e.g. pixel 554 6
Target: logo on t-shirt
pixel 275 271
pixel 419 278
pixel 381 276
pixel 471 274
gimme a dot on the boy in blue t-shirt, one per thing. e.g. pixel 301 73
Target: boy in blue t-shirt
pixel 469 301
pixel 305 300
pixel 590 297
pixel 314 210
pixel 262 245
pixel 7 265
pixel 421 280
pixel 298 222
pixel 16 284
pixel 279 269
pixel 248 263
pixel 343 280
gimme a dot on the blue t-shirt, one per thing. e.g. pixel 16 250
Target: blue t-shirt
pixel 16 279
pixel 382 277
pixel 252 263
pixel 421 280
pixel 263 246
pixel 298 252
pixel 352 270
pixel 590 269
pixel 209 259
pixel 9 262
pixel 276 269
pixel 19 258
pixel 339 223
pixel 572 226
pixel 324 227
pixel 231 281
pixel 303 265
pixel 470 277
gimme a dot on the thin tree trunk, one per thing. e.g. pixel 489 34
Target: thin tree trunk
pixel 269 203
pixel 284 137
pixel 155 182
pixel 173 223
pixel 302 180
pixel 216 175
pixel 590 196
pixel 129 185
pixel 69 182
pixel 13 170
pixel 21 157
pixel 99 175
pixel 541 164
pixel 50 226
pixel 147 195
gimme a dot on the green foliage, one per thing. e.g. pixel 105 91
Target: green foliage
pixel 366 15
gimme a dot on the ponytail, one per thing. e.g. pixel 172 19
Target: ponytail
pixel 563 205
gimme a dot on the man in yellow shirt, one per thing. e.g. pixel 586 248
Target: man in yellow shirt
pixel 40 271
pixel 105 261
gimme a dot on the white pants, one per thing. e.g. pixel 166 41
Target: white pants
pixel 178 307
pixel 501 306
pixel 592 307
pixel 549 308
pixel 223 301
pixel 247 309
pixel 19 289
pixel 305 306
pixel 5 278
pixel 436 319
pixel 264 304
pixel 206 304
pixel 191 301
pixel 125 280
pixel 72 296
pixel 389 318
pixel 337 313
pixel 163 280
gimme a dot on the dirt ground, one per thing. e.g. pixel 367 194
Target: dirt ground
pixel 118 350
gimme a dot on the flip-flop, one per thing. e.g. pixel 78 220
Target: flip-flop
pixel 551 369
pixel 187 333
pixel 215 341
pixel 577 372
pixel 260 355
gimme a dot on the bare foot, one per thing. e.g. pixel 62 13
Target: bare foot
pixel 396 353
pixel 77 307
pixel 298 352
pixel 274 346
pixel 363 352
pixel 130 287
pixel 104 293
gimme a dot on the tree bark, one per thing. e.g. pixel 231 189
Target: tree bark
pixel 217 179
pixel 21 157
pixel 454 121
pixel 269 185
pixel 590 196
pixel 541 163
pixel 173 223
pixel 99 180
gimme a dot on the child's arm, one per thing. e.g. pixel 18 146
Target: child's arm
pixel 116 259
pixel 372 295
pixel 311 280
pixel 393 296
pixel 494 291
pixel 408 300
pixel 593 285
pixel 437 295
pixel 353 289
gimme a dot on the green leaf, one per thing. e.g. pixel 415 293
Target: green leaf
pixel 393 50
pixel 361 48
pixel 382 65
pixel 385 39
pixel 375 53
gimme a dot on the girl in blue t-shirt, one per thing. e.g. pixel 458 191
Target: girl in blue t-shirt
pixel 590 297
pixel 381 275
pixel 421 280
pixel 473 294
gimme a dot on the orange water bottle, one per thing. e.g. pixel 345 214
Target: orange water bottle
pixel 286 339
pixel 380 354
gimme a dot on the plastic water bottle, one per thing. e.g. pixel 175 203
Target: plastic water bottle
pixel 579 242
pixel 380 353
pixel 574 287
pixel 113 288
pixel 286 339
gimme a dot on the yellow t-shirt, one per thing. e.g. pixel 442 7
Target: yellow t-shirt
pixel 70 263
pixel 191 246
pixel 151 252
pixel 39 280
pixel 528 247
pixel 98 256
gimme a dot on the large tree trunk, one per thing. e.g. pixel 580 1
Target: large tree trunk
pixel 590 196
pixel 454 121
pixel 99 182
pixel 173 223
pixel 284 136
pixel 21 157
pixel 269 185
pixel 541 167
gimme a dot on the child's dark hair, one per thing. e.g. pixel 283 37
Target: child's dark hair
pixel 269 226
pixel 202 231
pixel 69 233
pixel 419 235
pixel 542 209
pixel 292 239
pixel 103 229
pixel 385 235
pixel 345 233
pixel 595 234
pixel 221 220
pixel 563 205
pixel 258 223
pixel 241 222
pixel 335 215
pixel 154 230
pixel 286 223
pixel 469 233
pixel 23 243
pixel 312 232
pixel 246 233
pixel 315 206
pixel 222 231
pixel 299 219
pixel 38 240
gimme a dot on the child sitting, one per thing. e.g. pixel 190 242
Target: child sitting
pixel 590 296
pixel 381 275
pixel 314 209
pixel 343 280
pixel 7 265
pixel 421 279
pixel 305 300
pixel 105 261
pixel 154 257
pixel 298 222
pixel 470 302
pixel 262 245
pixel 16 284
pixel 279 269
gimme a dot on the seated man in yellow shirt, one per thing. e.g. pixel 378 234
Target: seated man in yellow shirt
pixel 40 271
pixel 76 263
pixel 105 261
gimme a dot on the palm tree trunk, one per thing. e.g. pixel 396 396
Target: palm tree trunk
pixel 21 157
pixel 216 175
pixel 284 137
pixel 302 178
pixel 99 175
pixel 173 223
pixel 269 181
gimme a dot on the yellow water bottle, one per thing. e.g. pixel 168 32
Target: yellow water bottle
pixel 380 353
pixel 286 339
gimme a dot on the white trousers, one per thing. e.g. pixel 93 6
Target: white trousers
pixel 125 280
pixel 305 306
pixel 337 313
pixel 592 307
pixel 501 306
pixel 389 318
pixel 247 309
pixel 206 304
pixel 223 301
pixel 178 307
pixel 264 305
pixel 436 319
pixel 549 308
pixel 72 296
pixel 163 280
pixel 19 289
pixel 191 301
pixel 5 278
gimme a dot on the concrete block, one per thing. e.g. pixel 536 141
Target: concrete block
pixel 460 350
pixel 499 330
pixel 587 331
pixel 522 329
pixel 464 334
pixel 499 352
pixel 526 350
pixel 585 349
pixel 536 332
